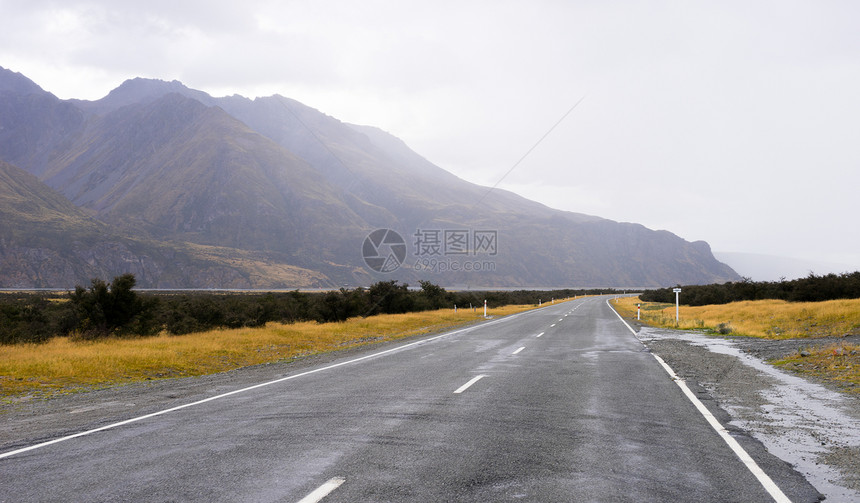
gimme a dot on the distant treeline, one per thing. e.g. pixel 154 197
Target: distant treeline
pixel 115 309
pixel 809 289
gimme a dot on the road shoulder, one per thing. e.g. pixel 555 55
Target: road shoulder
pixel 810 427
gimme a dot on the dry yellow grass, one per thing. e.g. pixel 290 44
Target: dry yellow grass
pixel 839 363
pixel 773 319
pixel 63 365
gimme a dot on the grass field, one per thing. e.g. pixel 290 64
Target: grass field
pixel 63 365
pixel 773 319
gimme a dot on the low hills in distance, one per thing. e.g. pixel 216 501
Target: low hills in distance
pixel 185 190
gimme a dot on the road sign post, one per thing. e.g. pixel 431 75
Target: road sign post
pixel 677 292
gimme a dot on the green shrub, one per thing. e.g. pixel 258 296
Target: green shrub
pixel 115 309
pixel 809 289
pixel 104 310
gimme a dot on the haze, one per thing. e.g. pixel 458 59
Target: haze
pixel 730 122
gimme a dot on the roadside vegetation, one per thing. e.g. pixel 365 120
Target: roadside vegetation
pixel 772 319
pixel 835 361
pixel 809 289
pixel 65 364
pixel 109 333
pixel 116 310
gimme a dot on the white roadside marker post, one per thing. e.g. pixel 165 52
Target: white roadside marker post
pixel 677 292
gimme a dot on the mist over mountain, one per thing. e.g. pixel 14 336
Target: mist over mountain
pixel 270 193
pixel 761 267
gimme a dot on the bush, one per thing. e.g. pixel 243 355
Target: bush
pixel 115 309
pixel 809 289
pixel 432 297
pixel 387 297
pixel 104 310
pixel 22 321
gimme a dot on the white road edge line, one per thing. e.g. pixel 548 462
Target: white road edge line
pixel 517 351
pixel 249 388
pixel 471 382
pixel 763 478
pixel 322 491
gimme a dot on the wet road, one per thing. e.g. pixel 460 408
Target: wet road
pixel 557 404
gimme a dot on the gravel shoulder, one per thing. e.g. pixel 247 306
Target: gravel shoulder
pixel 806 422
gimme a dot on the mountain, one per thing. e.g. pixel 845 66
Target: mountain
pixel 176 169
pixel 271 184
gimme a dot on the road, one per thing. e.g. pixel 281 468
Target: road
pixel 562 403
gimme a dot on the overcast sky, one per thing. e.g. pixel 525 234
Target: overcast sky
pixel 737 123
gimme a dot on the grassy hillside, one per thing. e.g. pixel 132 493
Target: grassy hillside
pixel 48 242
pixel 29 208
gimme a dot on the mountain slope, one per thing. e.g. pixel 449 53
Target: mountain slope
pixel 549 247
pixel 298 189
pixel 34 124
pixel 47 242
pixel 29 208
pixel 362 161
pixel 180 170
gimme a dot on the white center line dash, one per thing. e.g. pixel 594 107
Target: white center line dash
pixel 517 351
pixel 471 382
pixel 323 490
pixel 540 334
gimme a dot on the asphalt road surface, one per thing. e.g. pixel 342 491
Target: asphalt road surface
pixel 560 404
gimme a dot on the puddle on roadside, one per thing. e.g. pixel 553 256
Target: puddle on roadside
pixel 801 422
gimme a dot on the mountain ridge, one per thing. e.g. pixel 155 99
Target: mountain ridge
pixel 159 162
